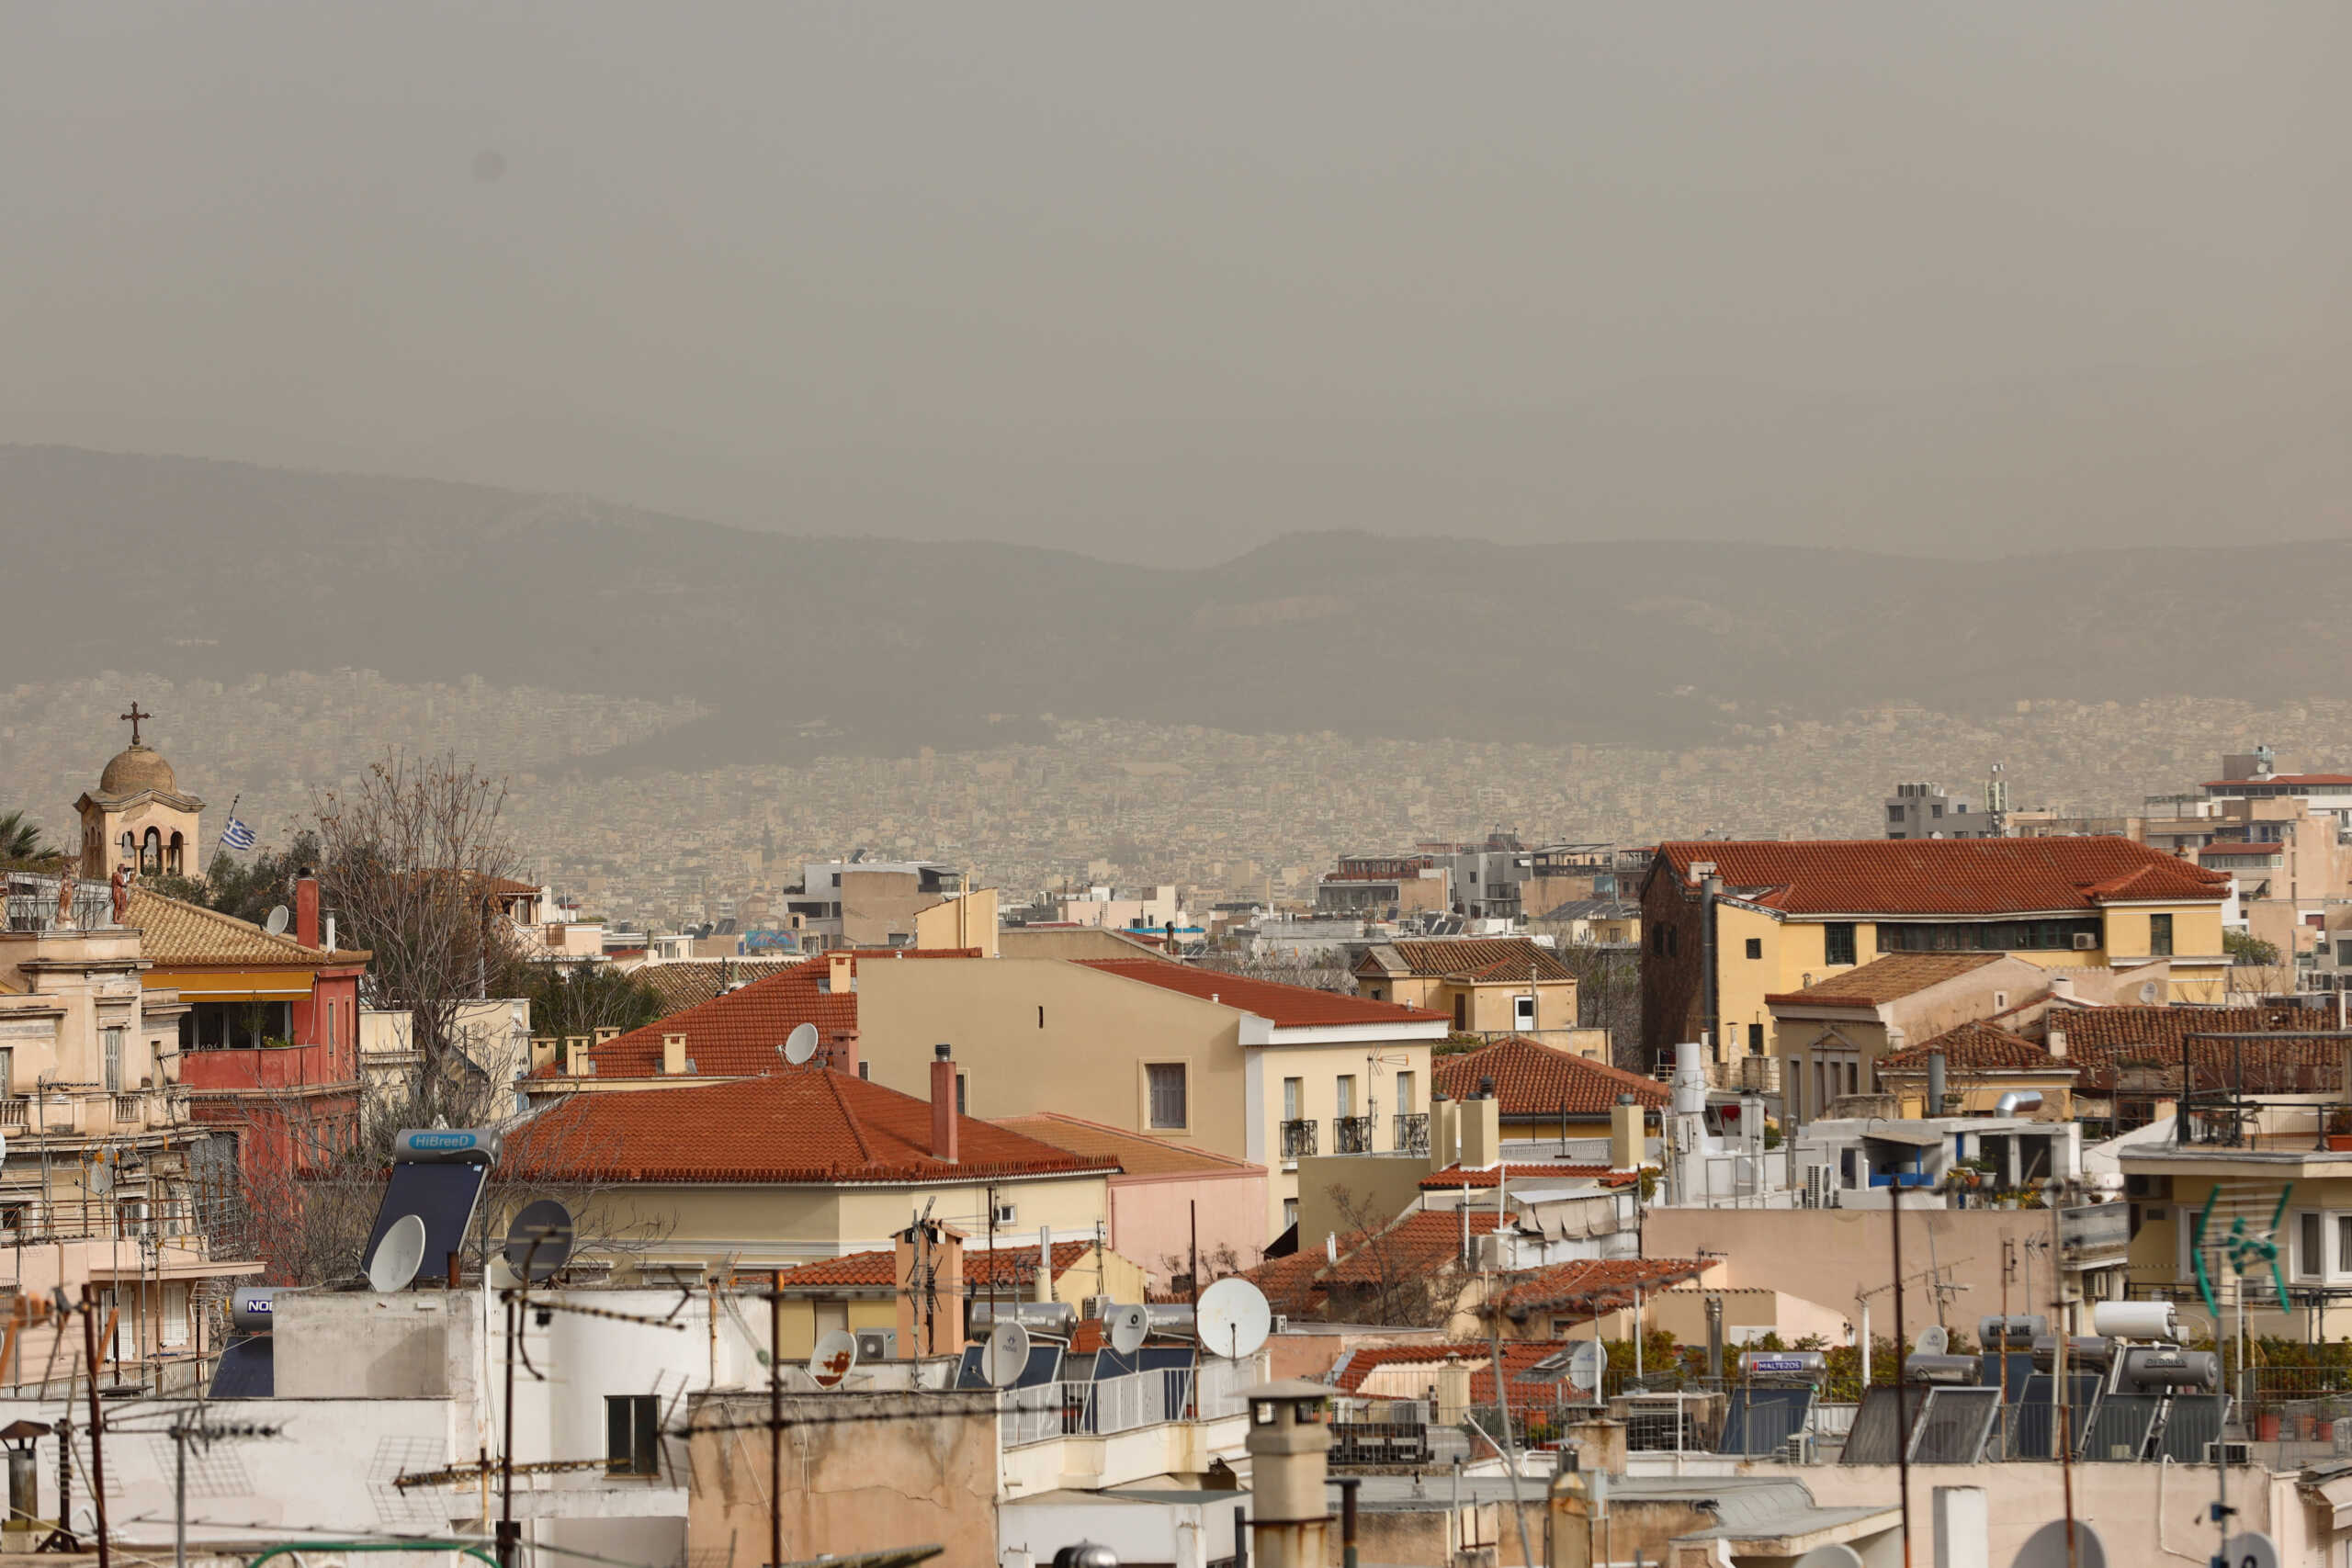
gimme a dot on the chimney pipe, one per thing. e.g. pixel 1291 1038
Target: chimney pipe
pixel 1935 1083
pixel 305 909
pixel 943 1126
pixel 673 1054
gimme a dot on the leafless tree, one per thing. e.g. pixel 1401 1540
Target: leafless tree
pixel 412 856
pixel 1609 996
pixel 1388 1282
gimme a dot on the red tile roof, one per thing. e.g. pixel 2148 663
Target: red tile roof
pixel 1519 1358
pixel 1453 1177
pixel 1289 1283
pixel 801 1125
pixel 1533 1079
pixel 1288 1006
pixel 1006 1266
pixel 1423 1240
pixel 1942 876
pixel 2223 851
pixel 2104 1042
pixel 1887 980
pixel 1977 1047
pixel 1593 1285
pixel 1473 958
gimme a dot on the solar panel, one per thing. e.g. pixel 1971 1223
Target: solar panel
pixel 968 1370
pixel 1761 1420
pixel 247 1369
pixel 2118 1427
pixel 1045 1366
pixel 2020 1372
pixel 443 1196
pixel 2194 1421
pixel 2031 1422
pixel 1954 1426
pixel 1881 1425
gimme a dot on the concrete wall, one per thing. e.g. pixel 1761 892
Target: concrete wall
pixel 849 1486
pixel 1376 1187
pixel 1153 1218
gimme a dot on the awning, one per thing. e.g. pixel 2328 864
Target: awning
pixel 178 1269
pixel 1915 1134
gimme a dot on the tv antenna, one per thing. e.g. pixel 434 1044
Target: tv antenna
pixel 398 1256
pixel 275 924
pixel 800 1044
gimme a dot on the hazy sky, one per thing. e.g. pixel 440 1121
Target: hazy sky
pixel 1162 281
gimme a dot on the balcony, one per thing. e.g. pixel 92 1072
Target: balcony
pixel 1412 1135
pixel 1352 1134
pixel 1298 1139
pixel 127 1109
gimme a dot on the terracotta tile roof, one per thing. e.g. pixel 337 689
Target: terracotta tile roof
pixel 1594 1284
pixel 1425 1239
pixel 1942 877
pixel 1453 1177
pixel 1887 980
pixel 801 1125
pixel 1137 1154
pixel 1470 958
pixel 1288 1006
pixel 174 935
pixel 2106 1042
pixel 739 1034
pixel 2219 851
pixel 1006 1266
pixel 1977 1047
pixel 1289 1284
pixel 1520 1357
pixel 687 982
pixel 1533 1079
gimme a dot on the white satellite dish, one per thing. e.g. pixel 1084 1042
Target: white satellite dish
pixel 275 924
pixel 1584 1366
pixel 1007 1355
pixel 398 1256
pixel 2148 990
pixel 1836 1554
pixel 2046 1548
pixel 101 1177
pixel 835 1354
pixel 1934 1341
pixel 800 1044
pixel 1125 1327
pixel 1234 1319
pixel 2251 1550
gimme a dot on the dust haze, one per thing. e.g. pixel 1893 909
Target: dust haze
pixel 1160 285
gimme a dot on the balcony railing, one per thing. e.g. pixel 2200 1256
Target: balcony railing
pixel 1298 1139
pixel 31 904
pixel 15 1112
pixel 127 1109
pixel 1352 1134
pixel 1412 1132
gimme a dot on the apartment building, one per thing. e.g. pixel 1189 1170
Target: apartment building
pixel 1490 986
pixel 1728 924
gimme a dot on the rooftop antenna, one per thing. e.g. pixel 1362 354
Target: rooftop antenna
pixel 398 1256
pixel 800 1044
pixel 835 1354
pixel 275 924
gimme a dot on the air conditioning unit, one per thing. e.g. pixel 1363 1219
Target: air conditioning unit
pixel 2229 1453
pixel 1794 1448
pixel 2085 941
pixel 1282 1324
pixel 878 1344
pixel 1100 1308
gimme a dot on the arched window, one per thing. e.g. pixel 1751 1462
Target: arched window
pixel 130 848
pixel 172 858
pixel 151 853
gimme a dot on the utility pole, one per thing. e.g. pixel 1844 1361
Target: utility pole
pixel 97 1422
pixel 775 1417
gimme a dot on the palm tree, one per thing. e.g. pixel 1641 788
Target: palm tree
pixel 21 843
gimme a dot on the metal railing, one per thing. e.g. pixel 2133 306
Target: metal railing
pixel 1106 1406
pixel 31 904
pixel 1352 1134
pixel 1299 1138
pixel 1412 1134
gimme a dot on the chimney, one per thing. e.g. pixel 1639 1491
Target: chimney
pixel 575 1056
pixel 2056 1039
pixel 841 972
pixel 1626 1145
pixel 305 909
pixel 1445 1129
pixel 673 1055
pixel 942 1105
pixel 1482 1133
pixel 936 1251
pixel 840 1052
pixel 1042 1286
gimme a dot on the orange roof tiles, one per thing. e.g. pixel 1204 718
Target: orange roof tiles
pixel 1137 1153
pixel 1289 1283
pixel 801 1125
pixel 174 934
pixel 1453 1177
pixel 682 983
pixel 1288 1006
pixel 2219 850
pixel 2104 1042
pixel 1533 1079
pixel 1887 980
pixel 1959 877
pixel 1519 1358
pixel 1477 958
pixel 1007 1265
pixel 1425 1239
pixel 1977 1047
pixel 1595 1284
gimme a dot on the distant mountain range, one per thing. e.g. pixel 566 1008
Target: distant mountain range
pixel 802 643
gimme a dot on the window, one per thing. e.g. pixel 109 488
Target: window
pixel 113 1039
pixel 1756 947
pixel 1673 941
pixel 1292 1090
pixel 2311 1261
pixel 1347 1094
pixel 2160 935
pixel 961 1083
pixel 1165 1081
pixel 1937 811
pixel 1460 1012
pixel 1895 814
pixel 1522 1012
pixel 865 1071
pixel 632 1437
pixel 1837 942
pixel 1403 1094
pixel 2343 1244
pixel 151 853
pixel 837 879
pixel 7 1070
pixel 1657 940
pixel 1290 1213
pixel 1755 1039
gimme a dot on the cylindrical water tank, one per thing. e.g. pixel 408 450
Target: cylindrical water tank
pixel 1810 1366
pixel 1963 1370
pixel 252 1308
pixel 1048 1317
pixel 2136 1320
pixel 2151 1368
pixel 2016 1332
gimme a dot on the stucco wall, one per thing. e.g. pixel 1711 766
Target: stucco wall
pixel 1152 1218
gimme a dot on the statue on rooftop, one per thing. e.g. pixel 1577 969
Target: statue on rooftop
pixel 120 884
pixel 66 899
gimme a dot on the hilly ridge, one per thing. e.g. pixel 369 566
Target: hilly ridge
pixel 221 569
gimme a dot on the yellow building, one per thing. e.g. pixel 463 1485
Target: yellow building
pixel 868 1290
pixel 1728 924
pixel 1491 985
pixel 1982 1062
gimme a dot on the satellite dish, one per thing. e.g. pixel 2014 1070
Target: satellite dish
pixel 539 1241
pixel 2252 1550
pixel 1127 1326
pixel 2046 1548
pixel 835 1354
pixel 275 924
pixel 800 1044
pixel 397 1256
pixel 101 1177
pixel 2148 990
pixel 1836 1554
pixel 1934 1341
pixel 1584 1366
pixel 1007 1355
pixel 1234 1318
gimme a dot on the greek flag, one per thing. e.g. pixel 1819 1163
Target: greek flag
pixel 237 836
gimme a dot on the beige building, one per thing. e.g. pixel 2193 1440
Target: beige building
pixel 1490 986
pixel 868 1290
pixel 137 819
pixel 1832 1034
